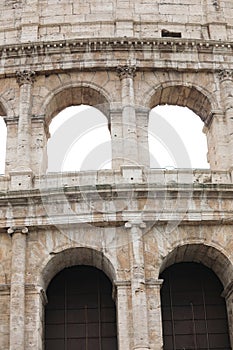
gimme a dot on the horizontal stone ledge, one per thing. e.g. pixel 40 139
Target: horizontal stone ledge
pixel 160 219
pixel 95 44
pixel 105 64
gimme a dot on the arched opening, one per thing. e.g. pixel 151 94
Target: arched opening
pixel 3 138
pixel 176 139
pixel 80 140
pixel 193 310
pixel 167 147
pixel 80 314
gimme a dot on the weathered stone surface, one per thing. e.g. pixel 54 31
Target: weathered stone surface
pixel 132 221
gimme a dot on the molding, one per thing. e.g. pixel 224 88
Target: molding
pixel 122 284
pixel 17 52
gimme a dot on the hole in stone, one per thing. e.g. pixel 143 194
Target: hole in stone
pixel 167 34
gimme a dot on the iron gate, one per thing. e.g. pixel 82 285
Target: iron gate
pixel 80 314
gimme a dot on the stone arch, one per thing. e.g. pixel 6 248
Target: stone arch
pixel 208 255
pixel 196 98
pixel 75 94
pixel 75 256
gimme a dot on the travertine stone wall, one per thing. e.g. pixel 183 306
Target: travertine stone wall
pixel 132 221
pixel 26 21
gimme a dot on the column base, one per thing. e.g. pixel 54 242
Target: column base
pixel 132 173
pixel 21 179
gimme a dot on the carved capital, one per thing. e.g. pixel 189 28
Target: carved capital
pixel 135 223
pixel 225 74
pixel 126 71
pixel 15 229
pixel 25 77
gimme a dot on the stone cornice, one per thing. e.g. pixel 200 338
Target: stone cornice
pixel 100 44
pixel 14 55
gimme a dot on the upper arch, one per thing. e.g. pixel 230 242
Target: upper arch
pixel 75 256
pixel 196 98
pixel 208 255
pixel 75 94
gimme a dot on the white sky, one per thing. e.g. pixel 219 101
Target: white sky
pixel 81 140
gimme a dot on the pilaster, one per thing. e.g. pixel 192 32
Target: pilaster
pixel 40 135
pixel 123 314
pixel 138 286
pixel 154 313
pixel 11 143
pixel 217 140
pixel 226 88
pixel 228 295
pixel 142 120
pixel 21 176
pixel 35 301
pixel 17 291
pixel 129 127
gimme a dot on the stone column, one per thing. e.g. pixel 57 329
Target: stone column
pixel 217 141
pixel 11 143
pixel 40 135
pixel 142 117
pixel 17 293
pixel 35 302
pixel 25 80
pixel 129 126
pixel 21 175
pixel 123 314
pixel 226 87
pixel 155 315
pixel 117 138
pixel 138 286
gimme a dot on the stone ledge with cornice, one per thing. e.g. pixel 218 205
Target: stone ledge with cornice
pixel 76 51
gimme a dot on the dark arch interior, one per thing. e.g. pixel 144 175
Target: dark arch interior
pixel 193 311
pixel 80 314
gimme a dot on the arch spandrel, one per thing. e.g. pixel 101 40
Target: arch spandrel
pixel 208 255
pixel 72 257
pixel 74 95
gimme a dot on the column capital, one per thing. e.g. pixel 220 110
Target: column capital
pixel 15 229
pixel 135 223
pixel 225 74
pixel 122 284
pixel 126 71
pixel 25 77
